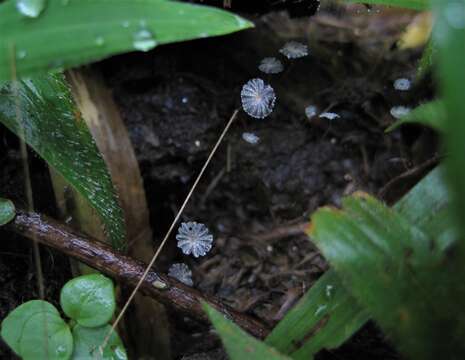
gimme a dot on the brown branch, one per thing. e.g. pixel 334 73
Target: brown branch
pixel 127 270
pixel 281 232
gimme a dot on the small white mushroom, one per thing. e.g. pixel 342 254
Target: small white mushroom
pixel 194 238
pixel 294 50
pixel 311 111
pixel 251 138
pixel 181 272
pixel 329 115
pixel 271 65
pixel 257 98
pixel 400 111
pixel 402 84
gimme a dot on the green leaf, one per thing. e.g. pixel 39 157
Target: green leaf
pixel 449 34
pixel 35 330
pixel 51 124
pixel 71 33
pixel 7 211
pixel 431 114
pixel 240 345
pixel 409 4
pixel 325 317
pixel 399 272
pixel 89 299
pixel 425 199
pixel 426 206
pixel 88 340
pixel 427 59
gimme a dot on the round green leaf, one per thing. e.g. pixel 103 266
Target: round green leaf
pixel 88 340
pixel 7 211
pixel 89 299
pixel 35 330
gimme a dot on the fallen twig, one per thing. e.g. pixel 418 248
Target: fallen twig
pixel 280 232
pixel 127 270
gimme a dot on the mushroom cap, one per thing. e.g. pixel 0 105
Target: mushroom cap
pixel 258 98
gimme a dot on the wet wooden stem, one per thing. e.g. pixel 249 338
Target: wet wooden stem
pixel 126 270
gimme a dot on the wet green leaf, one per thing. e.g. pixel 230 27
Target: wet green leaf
pixel 427 206
pixel 240 345
pixel 88 340
pixel 70 33
pixel 325 317
pixel 401 273
pixel 50 123
pixel 431 114
pixel 35 330
pixel 409 4
pixel 302 334
pixel 89 299
pixel 7 211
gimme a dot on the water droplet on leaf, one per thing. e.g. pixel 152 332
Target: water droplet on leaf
pixel 120 354
pixel 329 290
pixel 30 8
pixel 60 350
pixel 143 40
pixel 99 40
pixel 320 309
pixel 21 54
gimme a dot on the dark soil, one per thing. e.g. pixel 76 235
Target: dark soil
pixel 176 100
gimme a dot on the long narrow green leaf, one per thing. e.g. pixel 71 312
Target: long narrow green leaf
pixel 42 112
pixel 239 344
pixel 409 4
pixel 325 317
pixel 68 33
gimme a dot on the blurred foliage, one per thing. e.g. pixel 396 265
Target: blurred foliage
pixel 449 36
pixel 418 32
pixel 427 59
